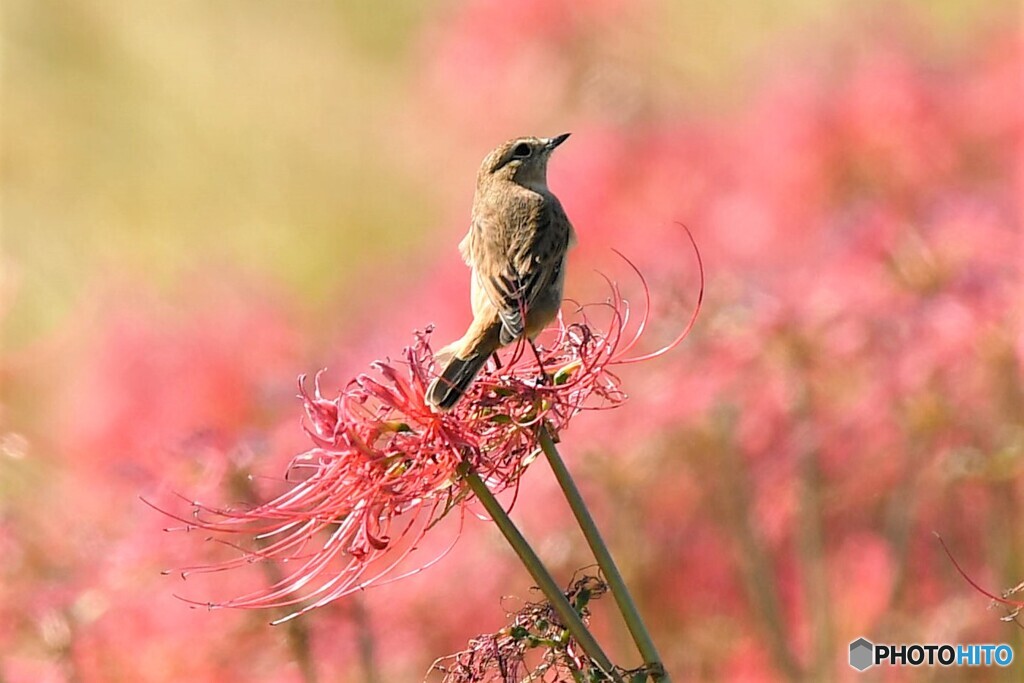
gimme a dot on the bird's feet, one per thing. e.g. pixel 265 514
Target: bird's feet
pixel 545 378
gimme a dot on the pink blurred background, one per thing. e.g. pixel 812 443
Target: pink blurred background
pixel 203 200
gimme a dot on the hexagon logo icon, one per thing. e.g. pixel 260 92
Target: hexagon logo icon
pixel 862 654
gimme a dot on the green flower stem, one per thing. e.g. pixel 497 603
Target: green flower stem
pixel 627 606
pixel 538 571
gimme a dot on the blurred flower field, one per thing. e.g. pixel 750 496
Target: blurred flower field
pixel 202 201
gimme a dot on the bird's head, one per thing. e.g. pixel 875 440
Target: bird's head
pixel 523 161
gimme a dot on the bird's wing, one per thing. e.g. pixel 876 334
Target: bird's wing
pixel 514 263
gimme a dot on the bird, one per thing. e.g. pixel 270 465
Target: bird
pixel 516 248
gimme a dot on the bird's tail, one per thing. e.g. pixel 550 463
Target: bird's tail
pixel 445 391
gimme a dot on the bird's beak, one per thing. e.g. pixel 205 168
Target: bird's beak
pixel 555 141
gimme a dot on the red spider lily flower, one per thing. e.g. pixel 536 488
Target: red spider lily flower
pixel 385 466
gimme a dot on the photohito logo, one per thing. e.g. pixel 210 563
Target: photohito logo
pixel 864 654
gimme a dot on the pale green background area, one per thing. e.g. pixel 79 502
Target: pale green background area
pixel 146 139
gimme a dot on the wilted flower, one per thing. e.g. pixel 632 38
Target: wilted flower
pixel 386 466
pixel 502 656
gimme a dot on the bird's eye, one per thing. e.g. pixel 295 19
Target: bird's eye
pixel 522 151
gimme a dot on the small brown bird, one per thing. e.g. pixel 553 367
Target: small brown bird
pixel 516 247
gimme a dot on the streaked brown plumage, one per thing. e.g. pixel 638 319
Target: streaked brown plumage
pixel 516 247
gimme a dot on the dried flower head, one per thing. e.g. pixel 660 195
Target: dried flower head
pixel 385 466
pixel 535 645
